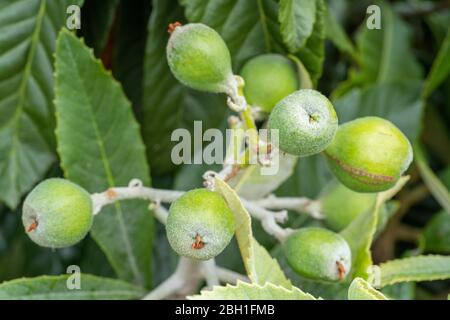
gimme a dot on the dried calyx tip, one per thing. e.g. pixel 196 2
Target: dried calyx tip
pixel 33 226
pixel 198 243
pixel 173 26
pixel 341 270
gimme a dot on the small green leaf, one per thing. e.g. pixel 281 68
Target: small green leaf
pixel 440 68
pixel 437 233
pixel 360 289
pixel 247 291
pixel 359 233
pixel 297 19
pixel 303 74
pixel 436 187
pixel 100 147
pixel 260 266
pixel 56 288
pixel 419 268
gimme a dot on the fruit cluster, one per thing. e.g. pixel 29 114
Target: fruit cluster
pixel 366 155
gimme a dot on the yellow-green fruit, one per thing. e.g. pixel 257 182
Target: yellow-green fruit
pixel 306 122
pixel 318 253
pixel 199 58
pixel 341 205
pixel 200 224
pixel 268 79
pixel 57 213
pixel 369 154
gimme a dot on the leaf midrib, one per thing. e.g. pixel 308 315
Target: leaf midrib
pixel 15 120
pixel 109 177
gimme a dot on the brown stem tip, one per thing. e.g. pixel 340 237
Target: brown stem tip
pixel 33 226
pixel 198 243
pixel 173 26
pixel 340 269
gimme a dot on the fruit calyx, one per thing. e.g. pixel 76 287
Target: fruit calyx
pixel 172 26
pixel 198 242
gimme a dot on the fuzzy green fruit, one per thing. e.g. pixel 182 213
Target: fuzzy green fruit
pixel 57 213
pixel 341 205
pixel 437 234
pixel 268 79
pixel 318 253
pixel 369 154
pixel 306 122
pixel 200 224
pixel 199 58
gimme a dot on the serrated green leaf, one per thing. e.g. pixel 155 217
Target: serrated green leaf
pixel 253 291
pixel 260 266
pixel 399 103
pixel 100 147
pixel 297 19
pixel 419 268
pixel 167 104
pixel 440 68
pixel 96 20
pixel 385 54
pixel 362 290
pixel 360 232
pixel 436 187
pixel 312 54
pixel 55 288
pixel 28 30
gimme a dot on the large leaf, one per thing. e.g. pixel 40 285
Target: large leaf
pixel 360 232
pixel 419 268
pixel 436 187
pixel 260 266
pixel 297 19
pixel 399 103
pixel 100 147
pixel 362 290
pixel 386 54
pixel 440 69
pixel 167 104
pixel 247 291
pixel 28 30
pixel 55 288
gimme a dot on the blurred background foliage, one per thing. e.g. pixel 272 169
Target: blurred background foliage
pixel 399 72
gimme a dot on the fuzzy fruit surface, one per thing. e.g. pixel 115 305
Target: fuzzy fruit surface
pixel 200 224
pixel 268 79
pixel 199 58
pixel 318 253
pixel 57 213
pixel 437 234
pixel 369 154
pixel 306 122
pixel 341 205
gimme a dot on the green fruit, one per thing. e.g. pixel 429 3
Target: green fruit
pixel 437 234
pixel 200 224
pixel 318 253
pixel 340 205
pixel 57 213
pixel 199 58
pixel 268 79
pixel 369 154
pixel 306 122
